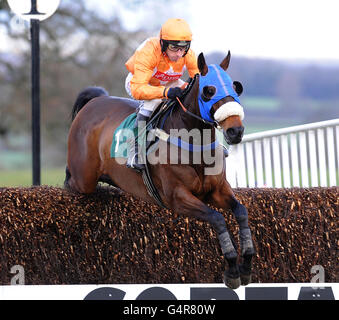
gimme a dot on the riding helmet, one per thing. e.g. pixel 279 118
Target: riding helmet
pixel 177 32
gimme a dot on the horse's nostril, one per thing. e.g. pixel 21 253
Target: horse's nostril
pixel 235 132
pixel 231 132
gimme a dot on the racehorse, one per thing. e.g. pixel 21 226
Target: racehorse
pixel 211 103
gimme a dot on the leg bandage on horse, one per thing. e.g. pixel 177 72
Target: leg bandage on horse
pixel 219 225
pixel 226 245
pixel 241 215
pixel 246 242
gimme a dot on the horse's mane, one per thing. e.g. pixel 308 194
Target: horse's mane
pixel 191 82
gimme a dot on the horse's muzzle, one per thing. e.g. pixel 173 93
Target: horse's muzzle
pixel 234 135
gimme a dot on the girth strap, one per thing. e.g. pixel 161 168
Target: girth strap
pixel 151 189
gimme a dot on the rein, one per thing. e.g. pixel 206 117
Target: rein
pixel 188 89
pixel 211 123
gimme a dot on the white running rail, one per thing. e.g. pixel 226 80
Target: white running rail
pixel 299 156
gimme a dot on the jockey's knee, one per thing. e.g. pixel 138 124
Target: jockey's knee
pixel 128 84
pixel 149 106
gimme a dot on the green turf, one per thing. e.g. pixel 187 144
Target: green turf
pixel 261 103
pixel 23 177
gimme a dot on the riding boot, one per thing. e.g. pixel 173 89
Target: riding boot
pixel 134 155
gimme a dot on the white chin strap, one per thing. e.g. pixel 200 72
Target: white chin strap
pixel 228 109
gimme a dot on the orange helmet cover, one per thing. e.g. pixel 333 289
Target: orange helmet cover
pixel 176 30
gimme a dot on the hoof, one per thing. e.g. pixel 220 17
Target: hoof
pixel 245 279
pixel 245 276
pixel 232 283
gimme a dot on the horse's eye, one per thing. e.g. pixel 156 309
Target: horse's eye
pixel 208 92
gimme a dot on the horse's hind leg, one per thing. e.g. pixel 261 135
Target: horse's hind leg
pixel 185 203
pixel 81 176
pixel 67 177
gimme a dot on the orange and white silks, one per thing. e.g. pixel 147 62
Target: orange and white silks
pixel 152 71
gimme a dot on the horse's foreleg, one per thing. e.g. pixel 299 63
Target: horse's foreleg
pixel 246 243
pixel 185 203
pixel 224 198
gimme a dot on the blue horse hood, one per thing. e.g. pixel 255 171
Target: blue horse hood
pixel 218 77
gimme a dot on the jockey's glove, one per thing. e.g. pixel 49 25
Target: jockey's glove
pixel 172 93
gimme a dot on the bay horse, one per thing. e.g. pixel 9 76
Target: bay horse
pixel 185 188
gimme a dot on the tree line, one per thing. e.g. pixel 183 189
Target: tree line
pixel 82 49
pixel 274 78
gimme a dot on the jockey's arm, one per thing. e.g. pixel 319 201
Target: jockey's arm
pixel 145 62
pixel 140 87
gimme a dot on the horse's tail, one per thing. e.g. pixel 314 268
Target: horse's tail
pixel 85 96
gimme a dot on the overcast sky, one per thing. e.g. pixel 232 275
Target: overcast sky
pixel 271 28
pixel 289 29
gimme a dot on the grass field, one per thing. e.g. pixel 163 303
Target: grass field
pixel 261 103
pixel 23 177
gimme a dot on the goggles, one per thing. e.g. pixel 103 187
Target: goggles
pixel 176 48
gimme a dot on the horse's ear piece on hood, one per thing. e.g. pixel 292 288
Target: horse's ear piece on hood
pixel 202 64
pixel 238 88
pixel 225 63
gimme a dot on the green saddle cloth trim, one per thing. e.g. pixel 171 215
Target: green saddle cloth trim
pixel 122 136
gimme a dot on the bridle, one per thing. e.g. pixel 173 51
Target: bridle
pixel 187 89
pixel 211 123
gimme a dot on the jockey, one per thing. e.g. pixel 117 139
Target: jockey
pixel 155 70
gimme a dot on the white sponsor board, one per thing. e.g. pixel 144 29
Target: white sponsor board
pixel 216 291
